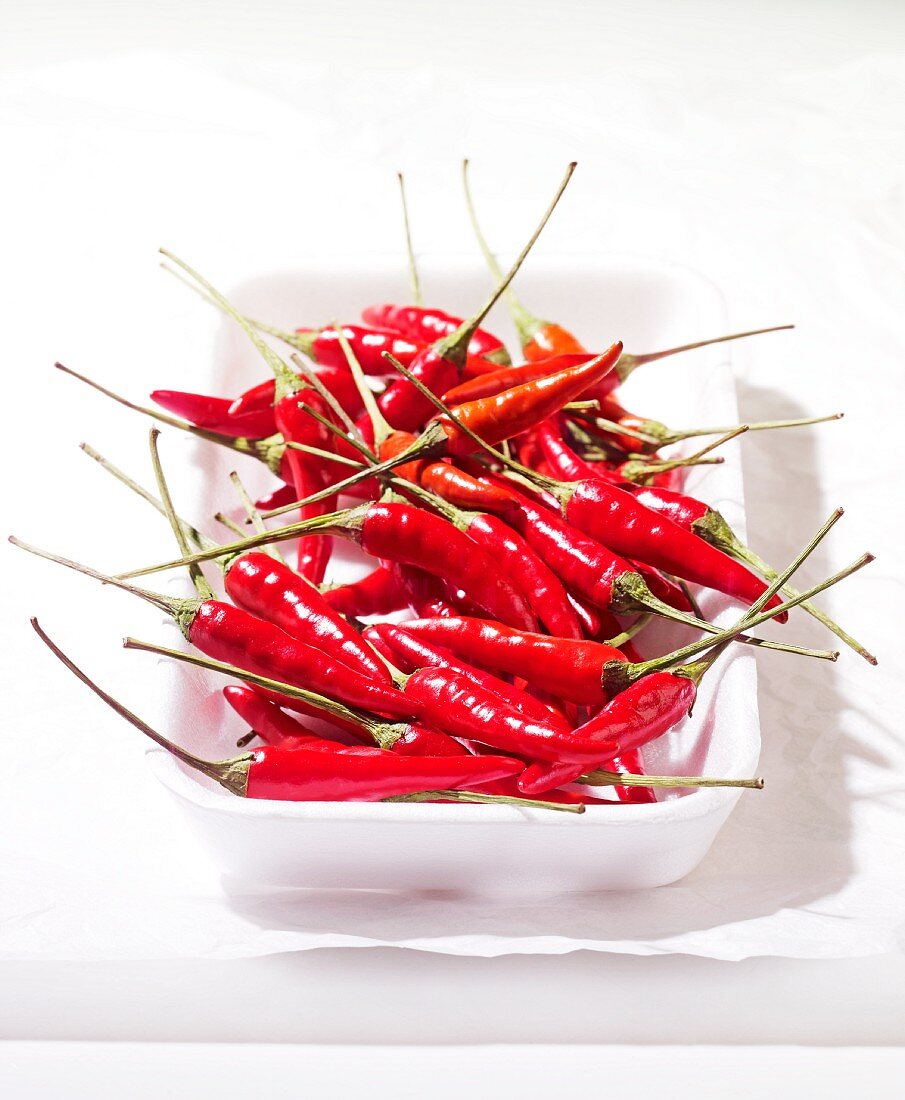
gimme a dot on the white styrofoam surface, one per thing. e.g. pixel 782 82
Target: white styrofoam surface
pixel 499 849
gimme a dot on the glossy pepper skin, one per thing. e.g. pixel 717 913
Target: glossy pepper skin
pixel 630 762
pixel 214 413
pixel 339 382
pixel 516 410
pixel 465 491
pixel 550 339
pixel 494 382
pixel 402 405
pixel 567 669
pixel 426 594
pixel 462 708
pixel 429 325
pixel 410 653
pixel 564 463
pixel 683 510
pixel 616 519
pixel 540 584
pixel 379 593
pixel 528 571
pixel 303 775
pixel 368 344
pixel 647 709
pixel 539 779
pixel 399 532
pixel 266 587
pixel 239 638
pixel 587 567
pixel 236 637
pixel 266 719
pixel 507 414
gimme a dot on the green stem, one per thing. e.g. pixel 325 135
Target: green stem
pixel 413 267
pixel 341 460
pixel 631 631
pixel 455 346
pixel 198 578
pixel 318 386
pixel 715 530
pixel 287 380
pixel 301 341
pixel 600 778
pixel 635 671
pixel 628 363
pixel 344 523
pixel 231 774
pixel 178 608
pixel 526 323
pixel 355 441
pixel 192 533
pixel 268 450
pixel 762 426
pixel 367 722
pixel 487 799
pixel 381 427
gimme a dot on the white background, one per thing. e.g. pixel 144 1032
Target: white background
pixel 760 143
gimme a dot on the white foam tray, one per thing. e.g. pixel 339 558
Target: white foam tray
pixel 489 848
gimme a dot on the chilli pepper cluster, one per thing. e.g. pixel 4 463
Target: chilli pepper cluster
pixel 522 527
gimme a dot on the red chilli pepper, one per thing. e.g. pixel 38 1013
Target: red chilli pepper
pixel 526 570
pixel 410 536
pixel 268 588
pixel 214 413
pixel 379 593
pixel 307 471
pixel 463 708
pixel 297 774
pixel 708 524
pixel 630 764
pixel 411 653
pixel 488 385
pixel 429 325
pixel 567 668
pixel 369 344
pixel 614 517
pixel 338 381
pixel 267 720
pixel 588 568
pixel 323 345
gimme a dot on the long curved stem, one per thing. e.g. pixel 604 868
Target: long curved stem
pixel 226 772
pixel 457 343
pixel 199 580
pixel 170 604
pixel 241 444
pixel 413 267
pixel 192 533
pixel 525 322
pixel 286 379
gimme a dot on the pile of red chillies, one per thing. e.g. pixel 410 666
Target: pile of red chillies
pixel 518 527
